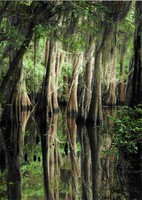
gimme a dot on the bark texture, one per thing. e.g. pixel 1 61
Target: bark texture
pixel 109 68
pixel 85 99
pixel 72 103
pixel 136 94
pixel 14 64
pixel 122 94
pixel 95 111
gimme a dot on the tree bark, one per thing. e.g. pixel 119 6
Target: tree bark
pixel 122 95
pixel 85 100
pixel 14 64
pixel 43 121
pixel 136 95
pixel 72 107
pixel 56 73
pixel 109 68
pixel 95 111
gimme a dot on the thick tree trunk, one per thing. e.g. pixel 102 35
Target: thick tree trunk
pixel 121 95
pixel 95 112
pixel 129 82
pixel 57 60
pixel 85 100
pixel 43 121
pixel 12 120
pixel 52 78
pixel 72 103
pixel 19 96
pixel 50 105
pixel 56 73
pixel 111 96
pixel 10 75
pixel 122 84
pixel 136 95
pixel 109 69
pixel 95 116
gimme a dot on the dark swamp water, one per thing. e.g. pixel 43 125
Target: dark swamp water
pixel 72 162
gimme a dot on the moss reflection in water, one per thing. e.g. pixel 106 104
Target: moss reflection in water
pixel 31 168
pixel 3 187
pixel 109 179
pixel 32 181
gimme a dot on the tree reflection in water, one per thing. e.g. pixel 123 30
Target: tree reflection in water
pixel 86 174
pixel 72 134
pixel 13 142
pixel 77 161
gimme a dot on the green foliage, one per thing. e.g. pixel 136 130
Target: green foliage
pixel 4 67
pixel 127 128
pixel 32 180
pixel 32 171
pixel 66 71
pixel 34 74
pixel 73 42
pixel 81 21
pixel 125 43
pixel 43 31
pixel 11 34
pixel 3 188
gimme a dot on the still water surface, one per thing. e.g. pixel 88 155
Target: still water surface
pixel 79 162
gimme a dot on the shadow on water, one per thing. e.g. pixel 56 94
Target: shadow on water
pixel 67 162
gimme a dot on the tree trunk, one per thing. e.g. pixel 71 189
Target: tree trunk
pixel 85 100
pixel 56 73
pixel 109 69
pixel 95 111
pixel 19 94
pixel 43 121
pixel 57 60
pixel 72 103
pixel 6 83
pixel 121 95
pixel 136 95
pixel 129 81
pixel 52 78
